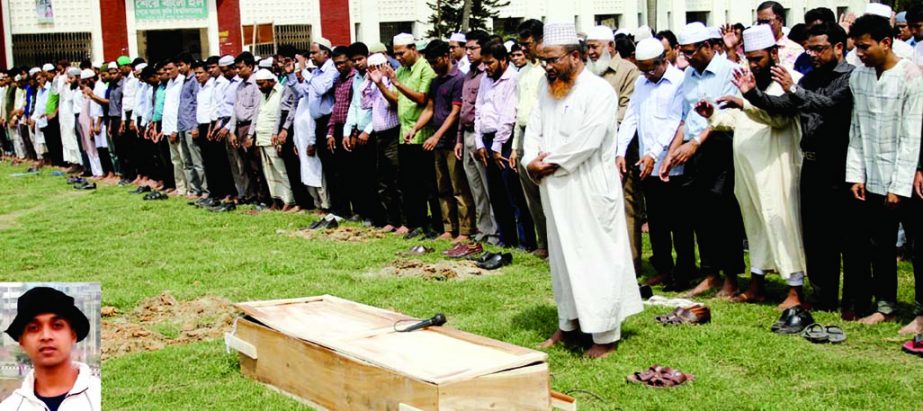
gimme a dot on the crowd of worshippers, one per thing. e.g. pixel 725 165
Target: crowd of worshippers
pixel 801 145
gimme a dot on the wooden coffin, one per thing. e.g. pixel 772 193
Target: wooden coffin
pixel 336 354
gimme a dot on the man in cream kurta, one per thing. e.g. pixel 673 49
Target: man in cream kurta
pixel 767 166
pixel 570 146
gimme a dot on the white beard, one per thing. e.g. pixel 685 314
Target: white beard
pixel 599 66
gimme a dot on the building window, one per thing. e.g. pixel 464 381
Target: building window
pixel 609 20
pixel 40 48
pixel 700 16
pixel 387 31
pixel 296 35
pixel 506 27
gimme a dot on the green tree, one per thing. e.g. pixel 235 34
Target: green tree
pixel 449 15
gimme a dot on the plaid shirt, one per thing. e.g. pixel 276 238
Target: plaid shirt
pixel 884 137
pixel 343 95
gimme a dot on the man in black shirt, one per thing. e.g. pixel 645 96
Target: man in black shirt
pixel 824 102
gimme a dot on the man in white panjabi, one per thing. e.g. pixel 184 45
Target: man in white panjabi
pixel 767 166
pixel 570 147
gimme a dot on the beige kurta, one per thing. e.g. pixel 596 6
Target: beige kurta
pixel 592 274
pixel 767 168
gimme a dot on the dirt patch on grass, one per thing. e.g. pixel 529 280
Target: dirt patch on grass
pixel 439 271
pixel 343 233
pixel 161 321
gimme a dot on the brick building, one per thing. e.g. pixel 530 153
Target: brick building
pixel 104 29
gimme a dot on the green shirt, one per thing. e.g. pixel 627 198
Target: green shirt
pixel 52 105
pixel 160 96
pixel 417 78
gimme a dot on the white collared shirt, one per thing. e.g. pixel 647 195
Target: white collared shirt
pixel 171 105
pixel 654 112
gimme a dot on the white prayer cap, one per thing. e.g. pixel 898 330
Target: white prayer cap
pixel 878 9
pixel 98 64
pixel 714 32
pixel 622 31
pixel 402 39
pixel 601 33
pixel 141 66
pixel 561 34
pixel 901 17
pixel 264 74
pixel 34 70
pixel 758 37
pixel 226 61
pixel 257 58
pixel 642 33
pixel 377 59
pixel 459 37
pixel 649 49
pixel 693 33
pixel 266 62
pixel 87 74
pixel 73 71
pixel 17 78
pixel 324 42
pixel 377 48
pixel 112 65
pixel 48 67
pixel 509 45
pixel 421 44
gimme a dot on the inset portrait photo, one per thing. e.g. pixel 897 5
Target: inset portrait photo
pixel 50 347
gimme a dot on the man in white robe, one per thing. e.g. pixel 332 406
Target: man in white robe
pixel 570 147
pixel 767 163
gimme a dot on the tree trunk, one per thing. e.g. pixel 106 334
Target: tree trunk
pixel 466 15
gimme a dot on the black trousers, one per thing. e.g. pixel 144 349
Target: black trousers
pixel 387 167
pixel 293 169
pixel 337 161
pixel 258 189
pixel 913 228
pixel 872 273
pixel 143 152
pixel 717 221
pixel 418 180
pixel 356 173
pixel 669 227
pixel 122 148
pixel 507 200
pixel 162 162
pixel 824 203
pixel 52 134
pixel 26 136
pixel 5 143
pixel 329 164
pixel 217 167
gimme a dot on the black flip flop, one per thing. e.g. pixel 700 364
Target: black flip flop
pixel 816 333
pixel 835 334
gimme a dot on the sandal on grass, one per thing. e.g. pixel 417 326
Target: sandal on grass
pixel 914 346
pixel 659 377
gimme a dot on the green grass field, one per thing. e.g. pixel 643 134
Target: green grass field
pixel 139 249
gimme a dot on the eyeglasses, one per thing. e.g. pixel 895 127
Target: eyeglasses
pixel 817 49
pixel 689 53
pixel 472 48
pixel 552 60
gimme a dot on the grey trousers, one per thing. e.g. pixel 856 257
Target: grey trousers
pixel 533 199
pixel 477 181
pixel 193 166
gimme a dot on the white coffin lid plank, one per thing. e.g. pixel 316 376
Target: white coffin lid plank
pixel 439 355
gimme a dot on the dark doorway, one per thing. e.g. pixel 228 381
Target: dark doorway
pixel 157 45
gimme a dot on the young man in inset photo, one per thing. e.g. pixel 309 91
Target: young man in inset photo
pixel 47 326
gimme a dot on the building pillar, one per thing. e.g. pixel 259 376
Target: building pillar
pixel 114 29
pixel 6 43
pixel 229 36
pixel 369 31
pixel 335 24
pixel 630 18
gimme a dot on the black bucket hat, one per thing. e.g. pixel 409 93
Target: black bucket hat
pixel 45 300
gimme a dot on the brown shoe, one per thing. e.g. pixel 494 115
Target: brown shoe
pixel 453 252
pixel 467 250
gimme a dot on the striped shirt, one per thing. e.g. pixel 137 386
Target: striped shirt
pixel 884 137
